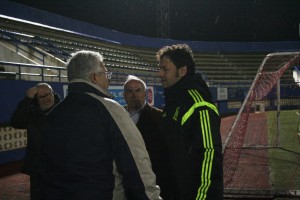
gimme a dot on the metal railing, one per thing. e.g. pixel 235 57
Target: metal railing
pixel 19 45
pixel 44 73
pixel 23 70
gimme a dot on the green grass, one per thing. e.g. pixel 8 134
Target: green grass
pixel 285 159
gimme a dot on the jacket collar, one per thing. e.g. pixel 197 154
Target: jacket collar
pixel 191 80
pixel 83 86
pixel 177 87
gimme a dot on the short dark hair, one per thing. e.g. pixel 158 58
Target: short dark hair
pixel 180 55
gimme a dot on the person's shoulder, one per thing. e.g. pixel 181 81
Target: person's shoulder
pixel 195 93
pixel 188 95
pixel 153 108
pixel 111 101
pixel 151 112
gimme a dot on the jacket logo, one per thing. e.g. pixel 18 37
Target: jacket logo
pixel 175 116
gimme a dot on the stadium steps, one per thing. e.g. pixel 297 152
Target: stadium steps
pixel 128 59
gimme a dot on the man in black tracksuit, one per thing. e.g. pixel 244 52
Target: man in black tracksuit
pixel 192 127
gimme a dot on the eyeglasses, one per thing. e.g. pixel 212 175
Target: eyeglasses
pixel 108 74
pixel 130 91
pixel 44 96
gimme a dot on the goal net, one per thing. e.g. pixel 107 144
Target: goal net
pixel 261 150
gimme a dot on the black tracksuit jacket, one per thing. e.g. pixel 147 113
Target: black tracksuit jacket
pixel 192 135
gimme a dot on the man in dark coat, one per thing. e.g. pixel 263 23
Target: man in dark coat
pixel 92 149
pixel 30 114
pixel 192 127
pixel 148 120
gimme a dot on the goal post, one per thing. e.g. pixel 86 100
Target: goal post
pixel 268 76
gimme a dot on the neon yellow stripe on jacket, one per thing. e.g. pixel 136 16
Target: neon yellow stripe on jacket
pixel 207 140
pixel 208 155
pixel 198 103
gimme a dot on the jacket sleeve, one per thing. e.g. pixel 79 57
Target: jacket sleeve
pixel 204 157
pixel 135 142
pixel 21 115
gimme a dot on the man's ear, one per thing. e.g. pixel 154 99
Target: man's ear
pixel 183 71
pixel 93 77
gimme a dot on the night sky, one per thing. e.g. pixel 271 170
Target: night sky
pixel 199 20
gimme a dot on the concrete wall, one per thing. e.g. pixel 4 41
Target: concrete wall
pixel 24 54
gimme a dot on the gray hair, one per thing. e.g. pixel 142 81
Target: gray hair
pixel 82 64
pixel 44 85
pixel 135 78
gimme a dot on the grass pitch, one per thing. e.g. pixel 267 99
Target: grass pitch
pixel 284 158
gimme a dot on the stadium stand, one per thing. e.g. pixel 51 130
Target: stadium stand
pixel 124 59
pixel 218 68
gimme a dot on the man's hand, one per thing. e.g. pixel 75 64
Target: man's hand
pixel 31 92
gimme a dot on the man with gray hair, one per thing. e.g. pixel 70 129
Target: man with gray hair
pixel 91 146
